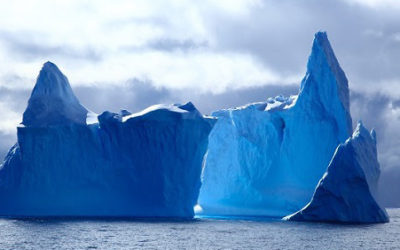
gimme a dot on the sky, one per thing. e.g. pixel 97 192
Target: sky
pixel 217 54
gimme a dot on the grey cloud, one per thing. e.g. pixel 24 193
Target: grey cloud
pixel 396 103
pixel 173 44
pixel 24 45
pixel 135 95
pixel 370 109
pixel 15 99
pixel 168 45
pixel 282 41
pixel 389 187
pixel 6 142
pixel 156 21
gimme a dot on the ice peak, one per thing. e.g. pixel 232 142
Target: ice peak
pixel 52 101
pixel 50 65
pixel 188 107
pixel 322 38
pixel 325 78
pixel 322 44
pixel 52 82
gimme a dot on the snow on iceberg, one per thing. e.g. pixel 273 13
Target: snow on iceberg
pixel 343 194
pixel 143 164
pixel 265 159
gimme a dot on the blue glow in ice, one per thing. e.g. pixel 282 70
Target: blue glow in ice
pixel 267 158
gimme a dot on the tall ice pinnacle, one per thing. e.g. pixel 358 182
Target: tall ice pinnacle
pixel 327 78
pixel 267 158
pixel 52 101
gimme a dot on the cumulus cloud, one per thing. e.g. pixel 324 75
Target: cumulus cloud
pixel 19 45
pixel 113 42
pixel 208 46
pixel 376 3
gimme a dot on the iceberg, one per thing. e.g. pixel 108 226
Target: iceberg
pixel 69 161
pixel 265 159
pixel 344 192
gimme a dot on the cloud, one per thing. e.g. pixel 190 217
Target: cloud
pixel 137 95
pixel 134 95
pixel 12 103
pixel 6 142
pixel 9 120
pixel 172 45
pixel 389 187
pixel 166 49
pixel 19 44
pixel 212 46
pixel 376 3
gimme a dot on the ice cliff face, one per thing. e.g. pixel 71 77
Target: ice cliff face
pixel 266 158
pixel 343 194
pixel 143 164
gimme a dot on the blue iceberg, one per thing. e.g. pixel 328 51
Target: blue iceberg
pixel 344 192
pixel 70 162
pixel 265 159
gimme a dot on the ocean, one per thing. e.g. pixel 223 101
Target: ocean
pixel 199 233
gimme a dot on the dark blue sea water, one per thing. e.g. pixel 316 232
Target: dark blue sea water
pixel 196 234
